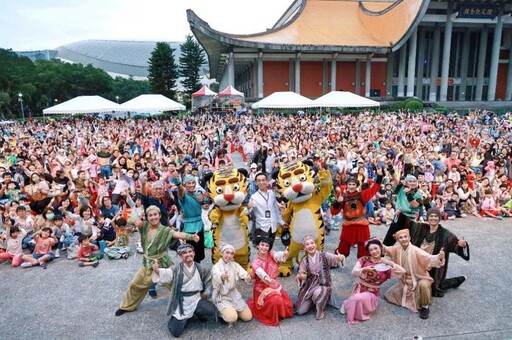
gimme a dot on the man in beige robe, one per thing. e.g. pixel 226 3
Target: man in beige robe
pixel 413 289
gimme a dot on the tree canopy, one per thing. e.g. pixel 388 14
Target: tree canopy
pixel 191 59
pixel 163 71
pixel 49 82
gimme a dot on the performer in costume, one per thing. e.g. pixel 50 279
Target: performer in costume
pixel 190 290
pixel 408 202
pixel 227 188
pixel 305 194
pixel 432 237
pixel 190 202
pixel 413 289
pixel 225 295
pixel 155 239
pixel 355 228
pixel 314 278
pixel 372 272
pixel 269 302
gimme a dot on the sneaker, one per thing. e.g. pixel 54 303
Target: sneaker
pixel 499 217
pixel 424 312
pixel 463 215
pixel 451 217
pixel 95 264
pixel 342 309
pixel 139 248
pixel 57 253
pixel 26 265
pixel 43 265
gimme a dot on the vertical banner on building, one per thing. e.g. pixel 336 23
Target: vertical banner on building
pixel 475 11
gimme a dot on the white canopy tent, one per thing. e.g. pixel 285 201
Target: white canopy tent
pixel 344 99
pixel 150 103
pixel 284 100
pixel 82 104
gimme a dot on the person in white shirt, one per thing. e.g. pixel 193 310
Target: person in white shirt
pixel 264 209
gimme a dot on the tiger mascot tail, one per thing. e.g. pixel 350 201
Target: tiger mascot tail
pixel 296 182
pixel 227 188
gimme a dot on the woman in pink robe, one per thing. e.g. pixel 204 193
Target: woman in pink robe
pixel 270 302
pixel 372 272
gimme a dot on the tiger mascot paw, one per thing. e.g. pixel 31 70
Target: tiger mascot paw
pixel 285 271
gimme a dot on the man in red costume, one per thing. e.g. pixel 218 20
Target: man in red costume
pixel 355 227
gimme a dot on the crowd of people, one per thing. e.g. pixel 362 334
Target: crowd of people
pixel 81 188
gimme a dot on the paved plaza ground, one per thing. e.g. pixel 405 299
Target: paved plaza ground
pixel 68 302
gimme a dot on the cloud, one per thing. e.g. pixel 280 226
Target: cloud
pixel 32 24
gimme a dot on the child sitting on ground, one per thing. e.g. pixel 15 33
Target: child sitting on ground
pixel 119 248
pixel 489 207
pixel 387 213
pixel 44 239
pixel 14 236
pixel 88 253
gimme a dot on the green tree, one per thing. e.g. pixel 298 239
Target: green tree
pixel 128 88
pixel 191 59
pixel 163 71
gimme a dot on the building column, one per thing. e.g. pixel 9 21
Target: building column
pixel 259 81
pixel 297 73
pixel 480 73
pixel 358 76
pixel 434 69
pixel 420 64
pixel 333 71
pixel 445 67
pixel 464 64
pixel 231 70
pixel 495 59
pixel 325 76
pixel 401 71
pixel 411 67
pixel 368 76
pixel 508 92
pixel 389 74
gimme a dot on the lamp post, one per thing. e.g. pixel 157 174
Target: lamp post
pixel 117 98
pixel 20 99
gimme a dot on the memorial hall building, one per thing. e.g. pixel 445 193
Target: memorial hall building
pixel 435 50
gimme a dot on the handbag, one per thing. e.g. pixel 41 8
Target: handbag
pixel 208 239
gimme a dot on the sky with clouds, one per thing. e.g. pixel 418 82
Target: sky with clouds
pixel 46 24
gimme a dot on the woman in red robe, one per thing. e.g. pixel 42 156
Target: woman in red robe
pixel 270 302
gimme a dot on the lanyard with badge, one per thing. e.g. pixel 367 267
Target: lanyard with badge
pixel 267 212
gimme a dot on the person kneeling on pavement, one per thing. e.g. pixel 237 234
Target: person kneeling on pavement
pixel 191 287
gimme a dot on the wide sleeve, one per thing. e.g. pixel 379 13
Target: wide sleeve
pixel 279 256
pixel 164 276
pixel 397 270
pixel 357 271
pixel 333 260
pixel 241 272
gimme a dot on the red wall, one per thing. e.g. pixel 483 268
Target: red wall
pixel 311 78
pixel 345 75
pixel 275 77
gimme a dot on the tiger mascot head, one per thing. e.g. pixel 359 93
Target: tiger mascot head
pixel 228 188
pixel 296 182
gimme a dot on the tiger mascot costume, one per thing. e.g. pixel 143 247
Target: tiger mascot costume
pixel 296 182
pixel 228 189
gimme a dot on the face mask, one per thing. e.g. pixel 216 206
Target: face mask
pixel 50 216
